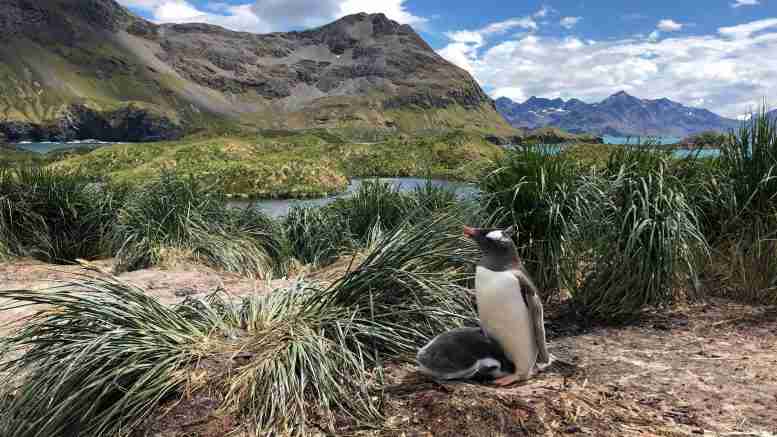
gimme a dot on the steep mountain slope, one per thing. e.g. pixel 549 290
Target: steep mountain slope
pixel 89 68
pixel 620 114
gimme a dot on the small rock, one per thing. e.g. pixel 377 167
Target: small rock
pixel 184 292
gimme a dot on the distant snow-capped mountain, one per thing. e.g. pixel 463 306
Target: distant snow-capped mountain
pixel 620 115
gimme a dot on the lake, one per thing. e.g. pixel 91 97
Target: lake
pixel 281 207
pixel 663 141
pixel 50 146
pixel 554 149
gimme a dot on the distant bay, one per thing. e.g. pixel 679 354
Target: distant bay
pixel 50 146
pixel 281 207
pixel 653 141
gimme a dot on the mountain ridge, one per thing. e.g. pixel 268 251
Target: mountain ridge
pixel 70 69
pixel 620 114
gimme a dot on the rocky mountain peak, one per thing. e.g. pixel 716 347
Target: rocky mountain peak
pixel 357 71
pixel 620 114
pixel 621 97
pixel 60 20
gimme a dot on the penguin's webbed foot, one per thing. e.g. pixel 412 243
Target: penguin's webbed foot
pixel 544 365
pixel 509 379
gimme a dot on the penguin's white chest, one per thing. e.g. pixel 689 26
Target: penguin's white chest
pixel 505 316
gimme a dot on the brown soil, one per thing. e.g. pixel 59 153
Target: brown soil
pixel 170 285
pixel 705 369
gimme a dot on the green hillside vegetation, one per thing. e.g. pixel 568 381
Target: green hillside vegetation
pixel 285 164
pixel 101 57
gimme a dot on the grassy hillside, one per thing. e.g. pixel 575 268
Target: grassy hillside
pixel 388 79
pixel 284 164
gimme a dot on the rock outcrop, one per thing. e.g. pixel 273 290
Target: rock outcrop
pixel 129 123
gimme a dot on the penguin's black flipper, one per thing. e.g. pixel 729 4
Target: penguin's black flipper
pixel 463 353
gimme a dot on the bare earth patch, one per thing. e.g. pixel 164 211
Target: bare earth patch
pixel 705 369
pixel 170 285
pixel 708 369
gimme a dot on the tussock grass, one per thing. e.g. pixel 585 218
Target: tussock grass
pixel 105 356
pixel 409 287
pixel 374 203
pixel 95 362
pixel 101 356
pixel 749 161
pixel 434 197
pixel 739 205
pixel 54 217
pixel 634 243
pixel 529 188
pixel 745 265
pixel 178 212
pixel 316 235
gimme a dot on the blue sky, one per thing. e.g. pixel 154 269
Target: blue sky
pixel 719 54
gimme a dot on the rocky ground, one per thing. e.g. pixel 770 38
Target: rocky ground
pixel 707 369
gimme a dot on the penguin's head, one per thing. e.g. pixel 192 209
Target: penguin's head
pixel 492 240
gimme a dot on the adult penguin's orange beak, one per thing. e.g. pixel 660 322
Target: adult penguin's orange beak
pixel 470 232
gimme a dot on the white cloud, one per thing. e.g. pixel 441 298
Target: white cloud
pixel 740 3
pixel 668 25
pixel 544 11
pixel 504 26
pixel 727 72
pixel 570 22
pixel 654 35
pixel 394 9
pixel 271 15
pixel 465 44
pixel 748 29
pixel 176 11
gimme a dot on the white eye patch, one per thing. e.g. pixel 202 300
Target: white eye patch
pixel 497 236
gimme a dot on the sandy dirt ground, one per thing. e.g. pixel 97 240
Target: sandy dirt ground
pixel 709 369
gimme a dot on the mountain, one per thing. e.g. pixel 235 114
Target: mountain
pixel 91 69
pixel 619 115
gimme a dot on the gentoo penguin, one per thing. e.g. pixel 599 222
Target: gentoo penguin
pixel 509 306
pixel 463 353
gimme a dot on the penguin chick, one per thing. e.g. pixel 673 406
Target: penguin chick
pixel 463 353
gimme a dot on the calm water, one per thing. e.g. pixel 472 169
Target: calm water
pixel 281 207
pixel 554 149
pixel 704 153
pixel 664 141
pixel 50 146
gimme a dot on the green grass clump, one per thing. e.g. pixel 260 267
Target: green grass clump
pixel 374 204
pixel 104 359
pixel 634 241
pixel 95 365
pixel 409 287
pixel 54 217
pixel 751 273
pixel 738 200
pixel 101 357
pixel 529 188
pixel 177 214
pixel 749 161
pixel 316 235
